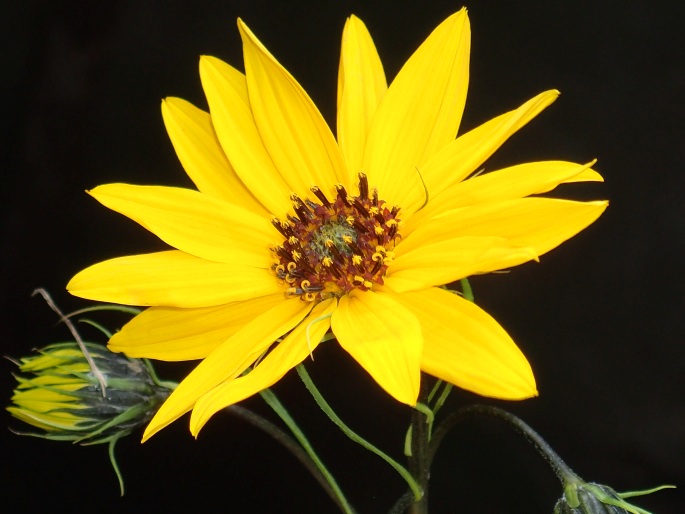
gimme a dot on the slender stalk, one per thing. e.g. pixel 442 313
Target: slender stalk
pixel 466 289
pixel 418 460
pixel 288 443
pixel 326 408
pixel 332 486
pixel 91 363
pixel 561 469
pixel 403 503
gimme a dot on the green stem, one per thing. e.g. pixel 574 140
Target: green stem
pixel 273 402
pixel 419 464
pixel 561 469
pixel 466 289
pixel 289 444
pixel 326 408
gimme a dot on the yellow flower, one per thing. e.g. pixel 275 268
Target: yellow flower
pixel 293 233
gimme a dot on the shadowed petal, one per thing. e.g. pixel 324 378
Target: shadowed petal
pixel 292 128
pixel 287 354
pixel 226 92
pixel 505 184
pixel 229 360
pixel 464 346
pixel 442 262
pixel 173 334
pixel 538 223
pixel 420 113
pixel 361 86
pixel 384 338
pixel 192 134
pixel 173 279
pixel 462 157
pixel 194 223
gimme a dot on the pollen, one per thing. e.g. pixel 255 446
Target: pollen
pixel 333 246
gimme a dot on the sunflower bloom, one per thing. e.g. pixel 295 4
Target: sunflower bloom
pixel 292 233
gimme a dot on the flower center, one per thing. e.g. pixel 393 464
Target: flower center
pixel 333 247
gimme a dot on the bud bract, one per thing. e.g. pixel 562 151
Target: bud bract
pixel 590 498
pixel 58 393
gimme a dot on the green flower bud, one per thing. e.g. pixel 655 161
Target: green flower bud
pixel 589 498
pixel 58 393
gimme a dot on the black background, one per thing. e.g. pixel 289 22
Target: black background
pixel 601 319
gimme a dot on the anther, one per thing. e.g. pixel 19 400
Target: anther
pixel 322 197
pixel 337 256
pixel 359 227
pixel 342 194
pixel 278 226
pixel 363 186
pixel 283 253
pixel 302 213
pixel 353 246
pixel 360 208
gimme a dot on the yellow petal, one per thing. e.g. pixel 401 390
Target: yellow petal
pixel 192 134
pixel 442 262
pixel 226 92
pixel 173 279
pixel 195 223
pixel 173 334
pixel 464 346
pixel 287 354
pixel 292 128
pixel 384 338
pixel 462 157
pixel 229 360
pixel 361 86
pixel 505 184
pixel 420 113
pixel 538 223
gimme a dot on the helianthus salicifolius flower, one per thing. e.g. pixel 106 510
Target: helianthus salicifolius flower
pixel 293 233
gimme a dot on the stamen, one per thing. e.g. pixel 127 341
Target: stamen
pixel 363 186
pixel 360 208
pixel 342 194
pixel 333 247
pixel 302 212
pixel 337 256
pixel 278 226
pixel 360 228
pixel 322 197
pixel 355 249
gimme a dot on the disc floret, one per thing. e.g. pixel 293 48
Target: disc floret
pixel 333 247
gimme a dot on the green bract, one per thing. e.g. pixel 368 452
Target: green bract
pixel 591 498
pixel 58 393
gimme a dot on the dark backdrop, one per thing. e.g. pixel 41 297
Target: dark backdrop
pixel 601 319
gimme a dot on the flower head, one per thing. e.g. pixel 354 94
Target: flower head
pixel 58 393
pixel 293 232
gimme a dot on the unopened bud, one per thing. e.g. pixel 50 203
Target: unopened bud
pixel 590 498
